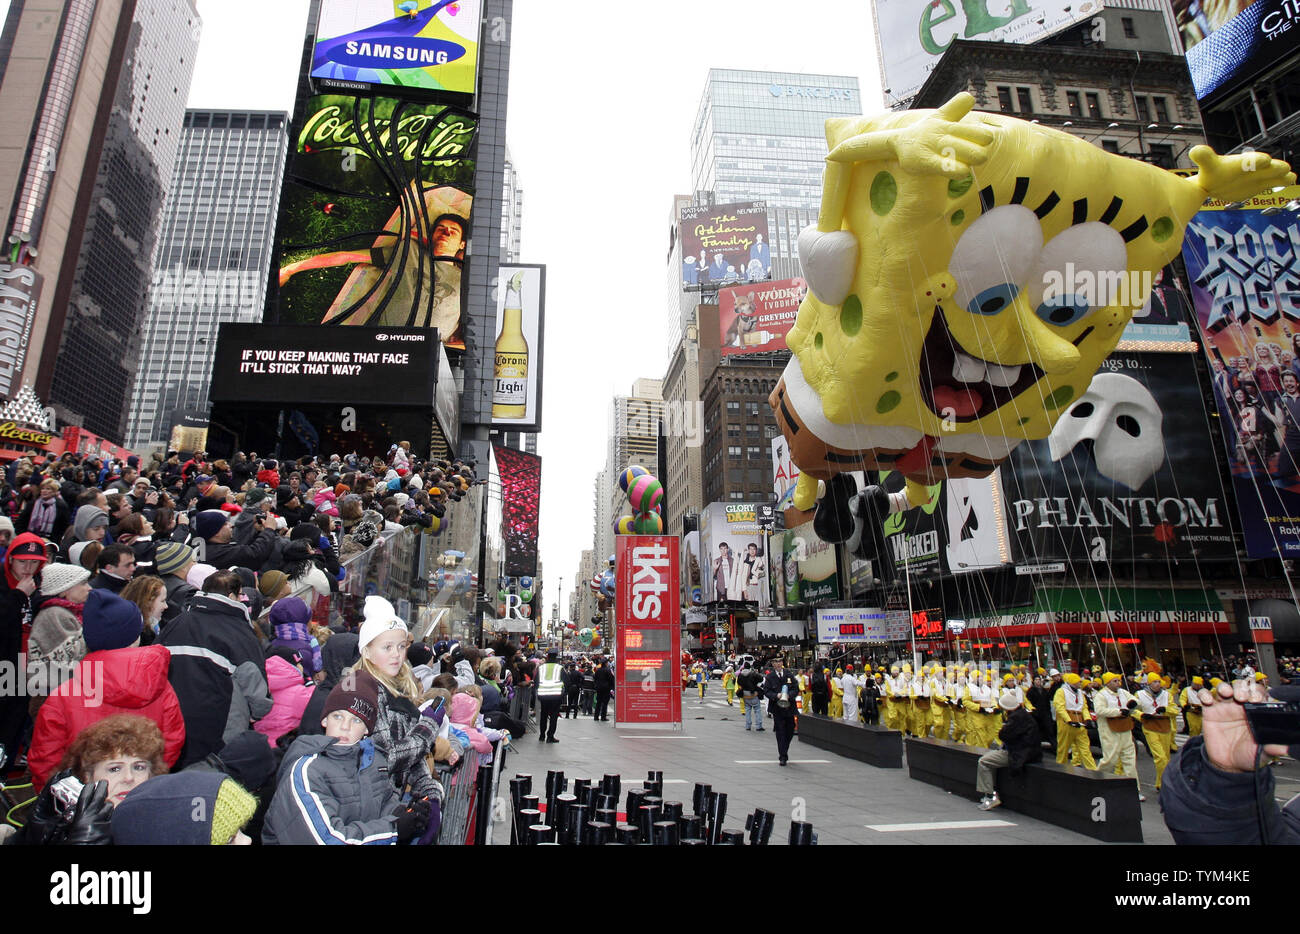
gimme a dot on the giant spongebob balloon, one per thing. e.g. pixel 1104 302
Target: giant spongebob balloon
pixel 969 272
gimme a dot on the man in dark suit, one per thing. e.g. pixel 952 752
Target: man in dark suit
pixel 604 688
pixel 780 688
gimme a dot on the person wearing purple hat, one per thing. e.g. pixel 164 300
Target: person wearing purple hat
pixel 289 619
pixel 115 676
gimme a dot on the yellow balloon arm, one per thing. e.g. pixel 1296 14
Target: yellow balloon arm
pixel 918 494
pixel 805 492
pixel 835 195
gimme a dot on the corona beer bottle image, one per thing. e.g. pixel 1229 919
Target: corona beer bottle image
pixel 510 398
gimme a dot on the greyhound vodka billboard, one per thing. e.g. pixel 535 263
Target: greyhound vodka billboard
pixel 756 318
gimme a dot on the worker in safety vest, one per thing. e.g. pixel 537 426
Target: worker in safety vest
pixel 550 693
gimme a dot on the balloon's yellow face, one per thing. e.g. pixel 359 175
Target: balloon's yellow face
pixel 984 304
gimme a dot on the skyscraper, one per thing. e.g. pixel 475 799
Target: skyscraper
pixel 512 213
pixel 215 243
pixel 92 97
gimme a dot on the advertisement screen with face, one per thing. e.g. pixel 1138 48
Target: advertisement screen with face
pixel 724 244
pixel 1244 296
pixel 1127 472
pixel 375 215
pixel 1229 42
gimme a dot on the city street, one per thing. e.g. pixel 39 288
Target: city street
pixel 846 801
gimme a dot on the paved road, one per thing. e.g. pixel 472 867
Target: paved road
pixel 848 802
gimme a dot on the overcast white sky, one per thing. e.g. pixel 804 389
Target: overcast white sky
pixel 602 97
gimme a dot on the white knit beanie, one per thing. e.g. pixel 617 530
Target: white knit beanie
pixel 56 578
pixel 379 618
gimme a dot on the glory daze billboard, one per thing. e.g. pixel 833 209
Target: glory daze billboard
pixel 375 215
pixel 261 362
pixel 914 35
pixel 1245 273
pixel 724 244
pixel 425 45
pixel 732 553
pixel 1127 472
pixel 647 607
pixel 756 318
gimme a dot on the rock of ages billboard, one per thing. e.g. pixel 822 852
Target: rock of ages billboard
pixel 1245 271
pixel 375 214
pixel 1127 472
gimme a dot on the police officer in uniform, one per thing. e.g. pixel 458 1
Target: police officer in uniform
pixel 550 694
pixel 780 688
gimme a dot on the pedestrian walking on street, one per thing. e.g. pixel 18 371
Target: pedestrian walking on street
pixel 780 688
pixel 572 689
pixel 750 697
pixel 821 691
pixel 604 688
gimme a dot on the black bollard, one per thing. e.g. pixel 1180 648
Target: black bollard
pixel 555 783
pixel 597 833
pixel 576 819
pixel 732 838
pixel 606 815
pixel 525 783
pixel 672 810
pixel 558 817
pixel 612 785
pixel 693 841
pixel 700 798
pixel 667 833
pixel 582 789
pixel 759 825
pixel 691 827
pixel 717 813
pixel 541 833
pixel 801 833
pixel 650 813
pixel 635 798
pixel 603 801
pixel 628 834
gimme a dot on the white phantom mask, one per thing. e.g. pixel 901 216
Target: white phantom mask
pixel 1122 419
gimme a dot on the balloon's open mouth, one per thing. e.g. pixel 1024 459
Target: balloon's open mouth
pixel 957 385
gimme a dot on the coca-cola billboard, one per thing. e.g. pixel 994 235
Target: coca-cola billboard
pixel 647 630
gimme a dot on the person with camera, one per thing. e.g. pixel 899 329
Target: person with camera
pixel 1115 709
pixel 780 688
pixel 1218 792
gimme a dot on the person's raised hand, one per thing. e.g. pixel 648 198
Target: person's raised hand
pixel 1228 741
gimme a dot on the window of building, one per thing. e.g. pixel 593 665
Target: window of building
pixel 1130 31
pixel 751 409
pixel 1094 105
pixel 733 408
pixel 733 431
pixel 1004 100
pixel 733 451
pixel 1143 108
pixel 1162 155
pixel 1162 109
pixel 753 452
pixel 1110 145
pixel 751 428
pixel 736 495
pixel 1026 102
pixel 1074 103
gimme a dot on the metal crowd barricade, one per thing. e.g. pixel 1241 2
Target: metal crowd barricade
pixel 459 800
pixel 521 705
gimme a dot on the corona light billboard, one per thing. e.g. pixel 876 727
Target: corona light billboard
pixel 648 614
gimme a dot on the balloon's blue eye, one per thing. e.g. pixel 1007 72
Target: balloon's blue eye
pixel 1064 310
pixel 993 300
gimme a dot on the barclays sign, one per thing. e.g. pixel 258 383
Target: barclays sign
pixel 790 90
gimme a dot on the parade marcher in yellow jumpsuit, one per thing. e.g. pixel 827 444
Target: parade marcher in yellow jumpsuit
pixel 983 718
pixel 729 685
pixel 1115 708
pixel 1191 705
pixel 1159 712
pixel 837 696
pixel 922 718
pixel 888 693
pixel 958 697
pixel 941 702
pixel 805 690
pixel 1071 708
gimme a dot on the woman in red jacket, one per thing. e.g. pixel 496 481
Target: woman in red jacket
pixel 116 676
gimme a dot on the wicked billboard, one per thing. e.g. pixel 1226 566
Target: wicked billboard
pixel 375 216
pixel 1127 473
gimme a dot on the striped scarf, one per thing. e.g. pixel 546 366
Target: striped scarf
pixel 44 512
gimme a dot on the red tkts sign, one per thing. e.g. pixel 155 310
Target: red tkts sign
pixel 647 630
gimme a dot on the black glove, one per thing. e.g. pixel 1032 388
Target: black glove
pixel 1126 713
pixel 92 818
pixel 1160 711
pixel 1132 705
pixel 46 825
pixel 411 820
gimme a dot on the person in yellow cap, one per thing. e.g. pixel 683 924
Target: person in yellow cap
pixel 1159 713
pixel 1190 702
pixel 920 690
pixel 983 718
pixel 837 695
pixel 957 695
pixel 941 687
pixel 891 685
pixel 805 690
pixel 1071 707
pixel 1114 708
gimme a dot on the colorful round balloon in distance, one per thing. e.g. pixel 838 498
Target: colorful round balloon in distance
pixel 629 476
pixel 645 493
pixel 649 523
pixel 625 525
pixel 584 636
pixel 526 596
